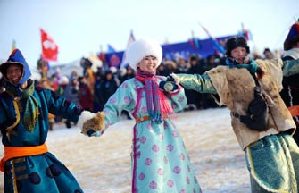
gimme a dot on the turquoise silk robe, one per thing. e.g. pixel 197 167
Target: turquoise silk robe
pixel 160 162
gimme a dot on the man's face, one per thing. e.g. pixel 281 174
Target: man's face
pixel 14 73
pixel 109 76
pixel 268 55
pixel 239 54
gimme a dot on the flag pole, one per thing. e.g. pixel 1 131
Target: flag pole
pixel 13 44
pixel 215 43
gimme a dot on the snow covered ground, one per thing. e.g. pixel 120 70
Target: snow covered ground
pixel 102 165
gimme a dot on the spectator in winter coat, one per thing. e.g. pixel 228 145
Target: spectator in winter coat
pixel 130 73
pixel 71 93
pixel 290 91
pixel 267 54
pixel 107 87
pixel 85 96
pixel 98 101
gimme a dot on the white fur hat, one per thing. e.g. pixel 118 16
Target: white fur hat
pixel 141 48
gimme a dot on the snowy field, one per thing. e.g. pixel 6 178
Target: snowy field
pixel 102 165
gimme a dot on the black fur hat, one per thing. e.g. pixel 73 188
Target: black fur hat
pixel 234 42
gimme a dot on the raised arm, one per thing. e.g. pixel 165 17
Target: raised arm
pixel 58 105
pixel 200 83
pixel 124 99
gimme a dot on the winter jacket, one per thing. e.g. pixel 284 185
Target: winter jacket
pixel 235 87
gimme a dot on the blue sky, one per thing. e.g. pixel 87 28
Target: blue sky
pixel 81 27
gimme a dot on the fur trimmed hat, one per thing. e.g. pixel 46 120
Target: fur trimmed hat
pixel 292 37
pixel 16 57
pixel 141 48
pixel 235 42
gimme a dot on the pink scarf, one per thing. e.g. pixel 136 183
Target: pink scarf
pixel 156 102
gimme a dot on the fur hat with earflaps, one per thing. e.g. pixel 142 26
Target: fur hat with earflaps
pixel 141 48
pixel 292 37
pixel 16 57
pixel 235 42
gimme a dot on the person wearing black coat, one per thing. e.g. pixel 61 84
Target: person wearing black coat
pixel 290 91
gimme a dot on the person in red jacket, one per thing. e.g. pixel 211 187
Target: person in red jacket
pixel 85 96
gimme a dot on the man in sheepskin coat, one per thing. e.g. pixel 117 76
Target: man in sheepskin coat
pixel 260 119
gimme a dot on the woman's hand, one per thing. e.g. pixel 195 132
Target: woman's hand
pixel 168 85
pixel 93 127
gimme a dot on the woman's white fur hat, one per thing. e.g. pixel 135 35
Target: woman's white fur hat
pixel 141 48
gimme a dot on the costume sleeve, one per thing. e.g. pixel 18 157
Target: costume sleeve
pixel 197 82
pixel 2 117
pixel 124 99
pixel 58 105
pixel 178 99
pixel 290 67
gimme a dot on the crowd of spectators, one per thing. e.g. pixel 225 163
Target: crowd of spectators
pixel 91 89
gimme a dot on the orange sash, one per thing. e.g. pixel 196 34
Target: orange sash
pixel 294 110
pixel 146 118
pixel 13 152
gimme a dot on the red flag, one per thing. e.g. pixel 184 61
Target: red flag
pixel 49 48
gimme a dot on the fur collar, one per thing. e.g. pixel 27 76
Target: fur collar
pixel 294 52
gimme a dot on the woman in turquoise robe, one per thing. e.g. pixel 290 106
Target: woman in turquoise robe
pixel 159 159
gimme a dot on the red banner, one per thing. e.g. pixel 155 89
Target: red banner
pixel 49 48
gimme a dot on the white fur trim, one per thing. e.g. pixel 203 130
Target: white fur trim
pixel 175 77
pixel 141 48
pixel 85 116
pixel 294 52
